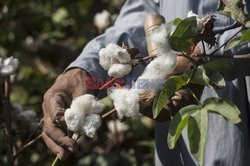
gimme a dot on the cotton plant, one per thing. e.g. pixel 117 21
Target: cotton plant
pixel 8 65
pixel 83 116
pixel 156 69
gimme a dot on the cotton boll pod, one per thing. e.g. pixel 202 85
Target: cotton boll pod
pixel 147 97
pixel 119 70
pixel 126 103
pixel 91 124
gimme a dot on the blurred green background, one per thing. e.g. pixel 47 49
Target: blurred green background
pixel 46 35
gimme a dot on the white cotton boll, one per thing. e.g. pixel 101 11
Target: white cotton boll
pixel 91 124
pixel 97 107
pixel 74 120
pixel 104 59
pixel 12 62
pixel 102 20
pixel 113 54
pixel 117 54
pixel 126 102
pixel 83 103
pixel 160 38
pixel 82 106
pixel 119 70
pixel 6 69
pixel 8 65
pixel 200 21
pixel 160 66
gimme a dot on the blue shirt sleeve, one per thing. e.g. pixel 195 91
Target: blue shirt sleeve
pixel 128 28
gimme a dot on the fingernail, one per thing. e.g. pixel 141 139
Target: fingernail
pixel 70 149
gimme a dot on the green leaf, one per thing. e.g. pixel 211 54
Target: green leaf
pixel 216 79
pixel 223 107
pixel 181 38
pixel 207 77
pixel 233 9
pixel 177 21
pixel 239 40
pixel 220 65
pixel 178 123
pixel 197 132
pixel 169 87
pixel 200 77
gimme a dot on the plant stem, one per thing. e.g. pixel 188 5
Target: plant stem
pixel 108 113
pixel 243 56
pixel 195 97
pixel 55 161
pixel 107 84
pixel 225 42
pixel 27 145
pixel 204 49
pixel 7 113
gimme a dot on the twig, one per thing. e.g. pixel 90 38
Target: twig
pixel 225 42
pixel 108 113
pixel 243 56
pixel 55 161
pixel 6 104
pixel 204 49
pixel 107 84
pixel 34 131
pixel 27 145
pixel 195 97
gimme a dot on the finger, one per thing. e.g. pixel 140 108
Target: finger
pixel 56 104
pixel 59 137
pixel 59 151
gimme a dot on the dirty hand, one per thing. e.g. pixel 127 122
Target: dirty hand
pixel 66 87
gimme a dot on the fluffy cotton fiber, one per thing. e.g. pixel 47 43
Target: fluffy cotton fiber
pixel 113 57
pixel 82 110
pixel 126 103
pixel 8 65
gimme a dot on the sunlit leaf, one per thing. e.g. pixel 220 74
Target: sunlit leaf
pixel 178 123
pixel 200 77
pixel 197 132
pixel 216 79
pixel 170 86
pixel 239 40
pixel 223 107
pixel 181 38
pixel 233 9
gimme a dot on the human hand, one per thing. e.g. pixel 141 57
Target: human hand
pixel 66 87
